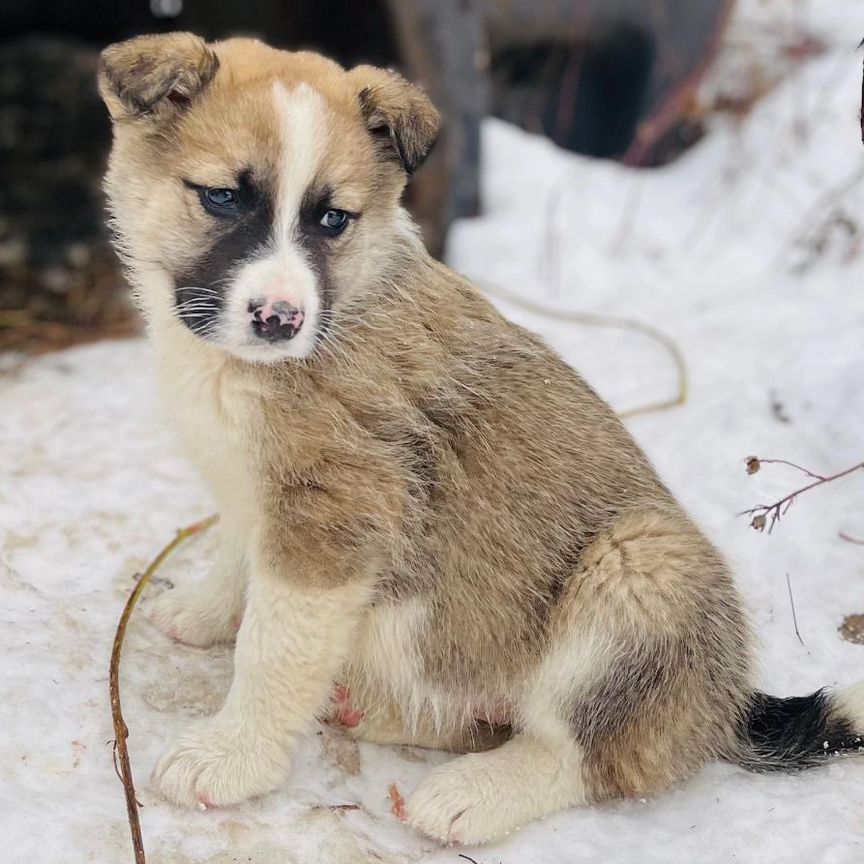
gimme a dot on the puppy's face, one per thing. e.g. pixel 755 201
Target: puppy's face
pixel 255 192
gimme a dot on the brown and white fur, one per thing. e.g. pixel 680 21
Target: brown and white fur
pixel 424 510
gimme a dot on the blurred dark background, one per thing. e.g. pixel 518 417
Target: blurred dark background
pixel 611 79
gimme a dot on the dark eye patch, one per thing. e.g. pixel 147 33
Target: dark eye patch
pixel 316 238
pixel 319 216
pixel 239 232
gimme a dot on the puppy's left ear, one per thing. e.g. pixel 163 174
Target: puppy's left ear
pixel 398 113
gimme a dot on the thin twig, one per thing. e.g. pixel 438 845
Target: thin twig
pixel 761 512
pixel 806 471
pixel 336 808
pixel 794 616
pixel 467 858
pixel 844 536
pixel 828 199
pixel 590 320
pixel 849 539
pixel 121 730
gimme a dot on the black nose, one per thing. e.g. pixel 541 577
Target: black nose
pixel 275 321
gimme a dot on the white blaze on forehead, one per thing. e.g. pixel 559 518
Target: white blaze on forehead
pixel 304 127
pixel 282 272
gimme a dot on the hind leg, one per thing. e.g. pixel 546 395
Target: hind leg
pixel 480 797
pixel 642 681
pixel 483 796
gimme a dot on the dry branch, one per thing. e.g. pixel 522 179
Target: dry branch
pixel 794 615
pixel 121 730
pixel 763 512
pixel 590 320
pixel 849 539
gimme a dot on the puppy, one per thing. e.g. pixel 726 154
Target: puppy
pixel 429 522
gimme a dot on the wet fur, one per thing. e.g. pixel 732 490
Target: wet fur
pixel 430 508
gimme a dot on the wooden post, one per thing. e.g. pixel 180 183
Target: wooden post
pixel 443 48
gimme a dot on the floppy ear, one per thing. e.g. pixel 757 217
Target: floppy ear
pixel 398 113
pixel 155 75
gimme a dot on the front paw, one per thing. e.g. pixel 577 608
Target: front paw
pixel 192 615
pixel 217 762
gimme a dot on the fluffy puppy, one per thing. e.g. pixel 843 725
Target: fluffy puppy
pixel 426 515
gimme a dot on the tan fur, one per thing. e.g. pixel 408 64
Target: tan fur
pixel 431 506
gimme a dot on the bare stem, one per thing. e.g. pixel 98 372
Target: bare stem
pixel 762 512
pixel 590 320
pixel 793 465
pixel 844 536
pixel 794 616
pixel 121 730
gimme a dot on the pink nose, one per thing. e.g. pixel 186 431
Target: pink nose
pixel 275 320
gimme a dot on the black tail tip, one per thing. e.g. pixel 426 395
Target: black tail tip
pixel 797 731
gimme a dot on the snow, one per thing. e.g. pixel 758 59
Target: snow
pixel 741 252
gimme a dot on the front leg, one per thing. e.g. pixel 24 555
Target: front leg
pixel 291 645
pixel 204 613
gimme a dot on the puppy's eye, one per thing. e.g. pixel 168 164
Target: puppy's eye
pixel 219 201
pixel 335 221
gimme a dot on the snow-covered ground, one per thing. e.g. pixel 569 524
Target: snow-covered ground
pixel 747 252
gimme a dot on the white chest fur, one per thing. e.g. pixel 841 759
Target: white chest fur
pixel 213 410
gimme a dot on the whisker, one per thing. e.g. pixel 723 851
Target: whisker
pixel 198 301
pixel 204 289
pixel 211 309
pixel 198 291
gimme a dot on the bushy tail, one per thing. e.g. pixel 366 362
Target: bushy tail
pixel 798 732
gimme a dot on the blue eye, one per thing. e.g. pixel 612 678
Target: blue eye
pixel 335 221
pixel 219 200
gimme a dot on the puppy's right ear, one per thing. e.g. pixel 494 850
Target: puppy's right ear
pixel 155 76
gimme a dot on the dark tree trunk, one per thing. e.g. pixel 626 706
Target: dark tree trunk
pixel 442 46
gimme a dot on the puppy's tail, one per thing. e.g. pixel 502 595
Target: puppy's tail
pixel 779 734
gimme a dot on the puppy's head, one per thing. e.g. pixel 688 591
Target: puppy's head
pixel 254 191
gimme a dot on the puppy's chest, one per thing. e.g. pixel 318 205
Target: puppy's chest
pixel 215 416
